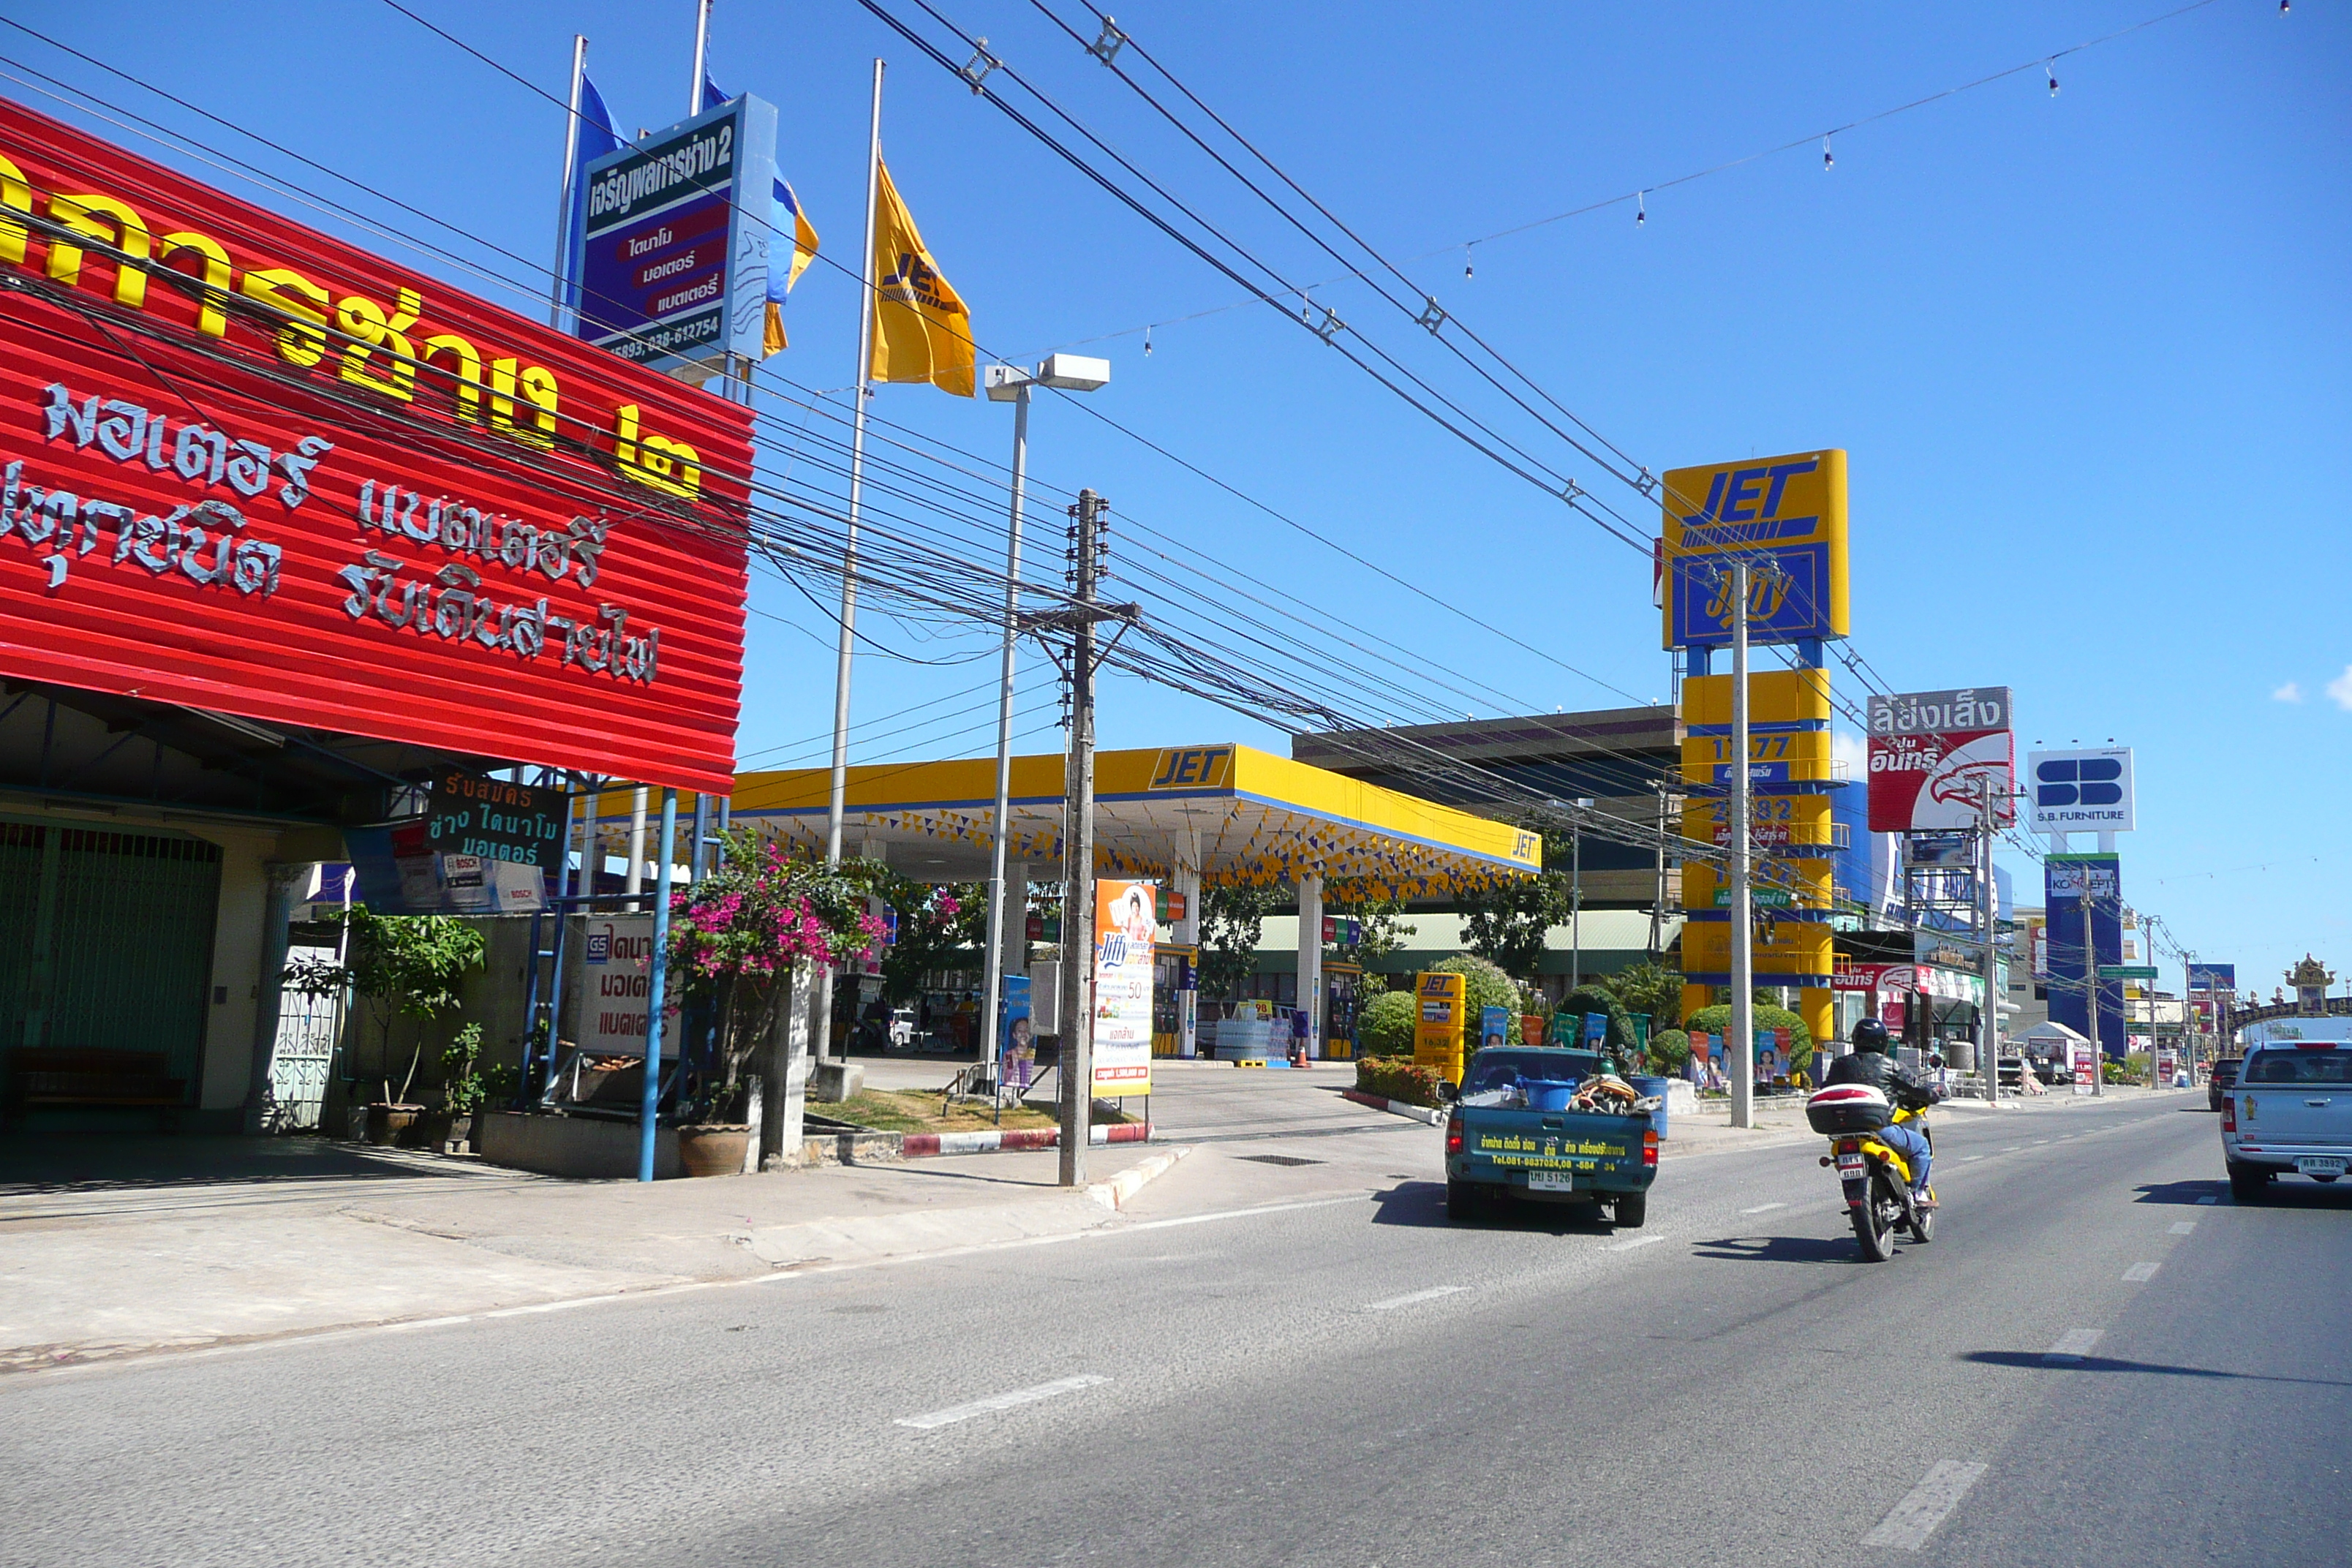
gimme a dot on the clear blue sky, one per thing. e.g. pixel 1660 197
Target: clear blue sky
pixel 2089 352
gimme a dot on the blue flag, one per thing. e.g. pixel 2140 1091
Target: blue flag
pixel 784 217
pixel 591 137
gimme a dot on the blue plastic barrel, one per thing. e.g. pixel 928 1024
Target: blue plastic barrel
pixel 1545 1094
pixel 1645 1087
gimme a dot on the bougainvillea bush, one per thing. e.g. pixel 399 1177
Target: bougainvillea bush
pixel 735 935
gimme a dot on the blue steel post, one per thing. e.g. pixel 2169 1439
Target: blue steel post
pixel 656 973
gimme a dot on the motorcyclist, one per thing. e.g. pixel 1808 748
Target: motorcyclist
pixel 1870 1064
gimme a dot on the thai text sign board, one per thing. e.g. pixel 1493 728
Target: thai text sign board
pixel 397 871
pixel 673 265
pixel 468 814
pixel 1438 1026
pixel 609 986
pixel 1787 517
pixel 1933 753
pixel 250 469
pixel 1126 926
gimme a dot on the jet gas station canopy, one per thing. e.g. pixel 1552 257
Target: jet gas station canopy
pixel 1237 817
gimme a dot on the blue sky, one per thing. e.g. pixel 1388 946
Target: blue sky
pixel 2088 352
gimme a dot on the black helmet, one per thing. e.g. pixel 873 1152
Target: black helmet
pixel 1870 1035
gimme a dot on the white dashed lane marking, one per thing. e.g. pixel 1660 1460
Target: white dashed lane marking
pixel 1432 1294
pixel 1909 1522
pixel 2183 1227
pixel 2072 1345
pixel 996 1401
pixel 2140 1273
pixel 1764 1208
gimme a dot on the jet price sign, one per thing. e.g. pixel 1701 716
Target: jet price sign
pixel 2077 791
pixel 1786 517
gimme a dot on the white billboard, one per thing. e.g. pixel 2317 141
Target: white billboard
pixel 2080 792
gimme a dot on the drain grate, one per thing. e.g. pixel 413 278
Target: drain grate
pixel 1280 1159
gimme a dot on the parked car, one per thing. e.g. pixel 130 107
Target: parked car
pixel 2224 1073
pixel 2289 1113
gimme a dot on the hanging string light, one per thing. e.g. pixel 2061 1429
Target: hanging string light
pixel 1146 343
pixel 1829 159
pixel 1466 268
pixel 2050 69
pixel 1641 208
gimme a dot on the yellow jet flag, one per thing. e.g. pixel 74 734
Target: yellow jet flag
pixel 921 330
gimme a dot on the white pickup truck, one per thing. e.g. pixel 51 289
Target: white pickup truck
pixel 2290 1111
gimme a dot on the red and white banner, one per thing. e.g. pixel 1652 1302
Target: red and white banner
pixel 251 469
pixel 1931 782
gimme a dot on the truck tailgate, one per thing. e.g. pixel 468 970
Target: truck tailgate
pixel 1536 1149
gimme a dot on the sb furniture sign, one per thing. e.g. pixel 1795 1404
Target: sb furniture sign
pixel 249 468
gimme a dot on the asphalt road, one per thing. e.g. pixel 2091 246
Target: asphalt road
pixel 1318 1373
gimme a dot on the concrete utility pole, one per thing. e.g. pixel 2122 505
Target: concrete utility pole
pixel 1078 851
pixel 1988 914
pixel 1576 895
pixel 1742 1047
pixel 2091 978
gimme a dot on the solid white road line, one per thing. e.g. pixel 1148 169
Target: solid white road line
pixel 1970 1159
pixel 2139 1274
pixel 996 1401
pixel 1630 1246
pixel 1764 1208
pixel 1909 1522
pixel 2183 1227
pixel 1432 1294
pixel 2072 1345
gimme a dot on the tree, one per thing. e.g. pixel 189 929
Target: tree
pixel 1233 921
pixel 735 935
pixel 399 966
pixel 936 924
pixel 1648 988
pixel 1506 922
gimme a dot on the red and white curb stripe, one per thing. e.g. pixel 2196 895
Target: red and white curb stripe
pixel 1394 1107
pixel 919 1145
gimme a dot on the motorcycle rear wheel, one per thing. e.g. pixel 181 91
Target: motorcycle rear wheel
pixel 1876 1234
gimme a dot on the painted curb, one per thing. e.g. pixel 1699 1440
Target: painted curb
pixel 923 1145
pixel 1425 1113
pixel 1114 1193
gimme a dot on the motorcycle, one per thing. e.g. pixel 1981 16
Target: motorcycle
pixel 1876 1177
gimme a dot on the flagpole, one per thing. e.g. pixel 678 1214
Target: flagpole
pixel 701 52
pixel 571 174
pixel 820 1027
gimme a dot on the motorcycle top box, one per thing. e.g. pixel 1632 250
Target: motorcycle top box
pixel 1848 1107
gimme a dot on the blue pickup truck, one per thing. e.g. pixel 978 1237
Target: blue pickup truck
pixel 1511 1134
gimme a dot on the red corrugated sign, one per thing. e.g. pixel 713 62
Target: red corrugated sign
pixel 251 469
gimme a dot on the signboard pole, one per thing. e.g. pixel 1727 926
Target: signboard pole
pixel 656 974
pixel 992 964
pixel 1743 957
pixel 2090 980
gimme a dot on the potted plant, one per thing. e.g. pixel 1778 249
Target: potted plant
pixel 399 966
pixel 462 1088
pixel 733 939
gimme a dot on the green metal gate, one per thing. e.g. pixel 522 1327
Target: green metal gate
pixel 106 940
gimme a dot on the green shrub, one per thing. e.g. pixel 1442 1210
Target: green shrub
pixel 1394 1080
pixel 1385 1026
pixel 1484 986
pixel 1716 1020
pixel 1669 1050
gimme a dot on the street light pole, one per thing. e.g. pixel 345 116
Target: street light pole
pixel 1008 384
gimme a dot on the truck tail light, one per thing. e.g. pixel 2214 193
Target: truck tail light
pixel 2229 1113
pixel 1650 1148
pixel 1454 1133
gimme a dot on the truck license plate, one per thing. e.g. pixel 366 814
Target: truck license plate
pixel 1550 1182
pixel 2320 1164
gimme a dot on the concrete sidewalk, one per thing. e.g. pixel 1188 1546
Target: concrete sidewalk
pixel 193 1242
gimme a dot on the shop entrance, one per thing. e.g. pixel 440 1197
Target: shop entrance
pixel 106 942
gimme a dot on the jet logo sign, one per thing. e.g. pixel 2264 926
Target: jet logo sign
pixel 2082 791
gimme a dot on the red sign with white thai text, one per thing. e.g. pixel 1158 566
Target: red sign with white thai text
pixel 250 469
pixel 1937 781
